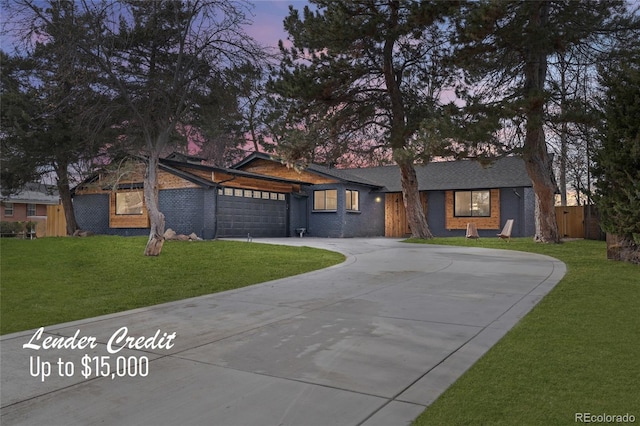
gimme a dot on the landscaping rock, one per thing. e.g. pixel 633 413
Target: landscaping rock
pixel 81 233
pixel 170 234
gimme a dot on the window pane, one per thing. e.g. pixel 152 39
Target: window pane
pixel 8 209
pixel 325 200
pixel 332 199
pixel 129 202
pixel 318 200
pixel 31 209
pixel 352 200
pixel 462 203
pixel 481 203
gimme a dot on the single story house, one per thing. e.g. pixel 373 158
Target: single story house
pixel 262 197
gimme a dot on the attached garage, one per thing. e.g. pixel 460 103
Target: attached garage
pixel 243 212
pixel 211 202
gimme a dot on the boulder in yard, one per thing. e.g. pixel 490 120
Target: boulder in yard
pixel 169 234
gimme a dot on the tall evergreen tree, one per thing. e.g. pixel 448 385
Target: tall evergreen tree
pixel 50 105
pixel 506 46
pixel 617 168
pixel 363 71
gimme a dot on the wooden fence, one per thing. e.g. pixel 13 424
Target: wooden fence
pixel 56 221
pixel 579 222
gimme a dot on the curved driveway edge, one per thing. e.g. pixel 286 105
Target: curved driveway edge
pixel 372 341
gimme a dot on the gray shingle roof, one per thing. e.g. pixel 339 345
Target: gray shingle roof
pixel 34 193
pixel 346 175
pixel 462 174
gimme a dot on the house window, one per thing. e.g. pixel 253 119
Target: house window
pixel 352 200
pixel 8 209
pixel 31 210
pixel 325 200
pixel 129 203
pixel 472 203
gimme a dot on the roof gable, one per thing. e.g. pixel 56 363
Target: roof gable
pixel 312 174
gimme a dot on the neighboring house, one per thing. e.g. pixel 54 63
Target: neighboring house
pixel 262 197
pixel 29 204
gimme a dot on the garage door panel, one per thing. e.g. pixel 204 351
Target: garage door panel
pixel 239 216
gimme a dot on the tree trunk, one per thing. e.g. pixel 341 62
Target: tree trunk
pixel 67 206
pixel 545 216
pixel 399 134
pixel 156 218
pixel 61 168
pixel 563 133
pixel 537 160
pixel 411 198
pixel 622 249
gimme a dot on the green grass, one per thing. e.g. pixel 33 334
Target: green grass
pixel 577 351
pixel 54 280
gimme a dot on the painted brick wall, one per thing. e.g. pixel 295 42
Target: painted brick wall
pixel 92 212
pixel 515 203
pixel 183 209
pixel 368 222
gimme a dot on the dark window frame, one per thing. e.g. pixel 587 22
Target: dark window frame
pixel 323 207
pixel 473 213
pixel 349 200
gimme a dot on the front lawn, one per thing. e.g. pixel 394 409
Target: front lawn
pixel 54 280
pixel 576 352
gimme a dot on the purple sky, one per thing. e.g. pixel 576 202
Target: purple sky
pixel 267 23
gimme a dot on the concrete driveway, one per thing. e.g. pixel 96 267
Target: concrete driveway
pixel 372 341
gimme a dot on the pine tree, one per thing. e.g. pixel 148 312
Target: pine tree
pixel 617 166
pixel 363 71
pixel 50 105
pixel 506 46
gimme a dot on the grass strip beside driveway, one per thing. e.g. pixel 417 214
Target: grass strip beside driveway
pixel 575 354
pixel 55 280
